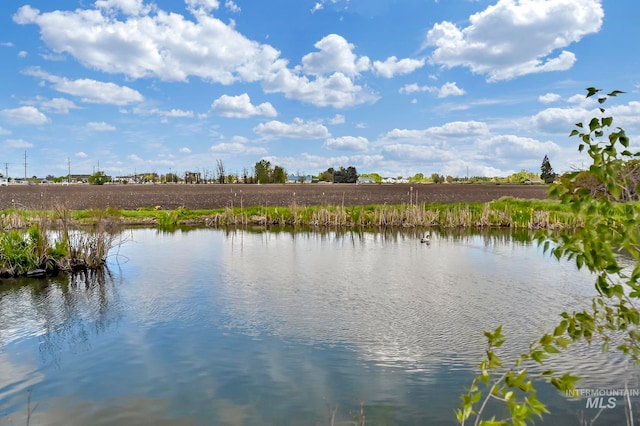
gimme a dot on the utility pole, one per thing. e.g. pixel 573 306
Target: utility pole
pixel 68 170
pixel 25 165
pixel 6 171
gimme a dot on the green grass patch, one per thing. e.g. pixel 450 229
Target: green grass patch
pixel 504 212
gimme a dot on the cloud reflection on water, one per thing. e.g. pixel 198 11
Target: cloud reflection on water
pixel 264 327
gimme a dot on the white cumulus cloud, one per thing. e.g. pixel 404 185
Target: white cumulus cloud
pixel 24 115
pixel 336 90
pixel 516 37
pixel 100 126
pixel 237 148
pixel 128 7
pixel 446 90
pixel 16 144
pixel 392 66
pixel 516 147
pixel 549 98
pixel 164 45
pixel 148 42
pixel 240 107
pixel 58 105
pixel 348 143
pixel 88 90
pixel 455 129
pixel 297 129
pixel 335 55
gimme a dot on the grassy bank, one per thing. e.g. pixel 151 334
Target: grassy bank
pixel 505 212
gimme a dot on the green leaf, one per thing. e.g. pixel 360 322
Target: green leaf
pixel 546 339
pixel 493 422
pixel 538 356
pixel 551 349
pixel 563 342
pixel 561 328
pixel 613 268
pixel 592 91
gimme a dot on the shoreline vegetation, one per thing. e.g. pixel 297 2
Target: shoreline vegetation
pixel 36 244
pixel 45 242
pixel 506 212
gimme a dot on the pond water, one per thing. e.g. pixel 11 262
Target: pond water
pixel 212 327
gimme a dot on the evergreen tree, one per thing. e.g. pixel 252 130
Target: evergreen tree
pixel 547 174
pixel 348 175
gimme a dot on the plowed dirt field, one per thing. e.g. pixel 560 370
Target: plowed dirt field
pixel 131 197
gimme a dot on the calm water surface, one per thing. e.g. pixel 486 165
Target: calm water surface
pixel 207 327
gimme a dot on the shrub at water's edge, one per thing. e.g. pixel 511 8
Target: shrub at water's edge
pixel 30 246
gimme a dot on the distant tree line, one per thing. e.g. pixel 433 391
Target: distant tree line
pixel 265 172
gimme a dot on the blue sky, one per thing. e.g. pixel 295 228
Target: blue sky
pixel 395 87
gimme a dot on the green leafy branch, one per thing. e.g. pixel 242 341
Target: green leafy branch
pixel 610 214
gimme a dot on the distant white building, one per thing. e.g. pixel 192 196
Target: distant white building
pixel 533 181
pixel 365 180
pixel 299 179
pixel 395 180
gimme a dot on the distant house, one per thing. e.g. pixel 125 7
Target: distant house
pixel 365 180
pixel 299 179
pixel 80 178
pixel 389 180
pixel 533 181
pixel 127 179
